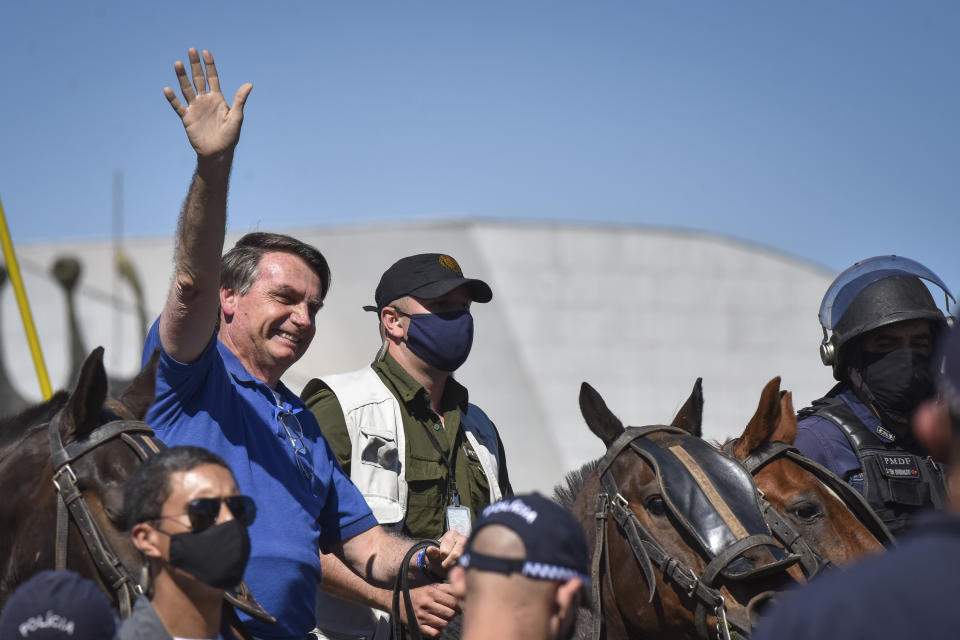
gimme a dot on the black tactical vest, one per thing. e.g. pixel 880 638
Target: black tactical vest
pixel 896 482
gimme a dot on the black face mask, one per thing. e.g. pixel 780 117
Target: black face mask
pixel 898 381
pixel 217 555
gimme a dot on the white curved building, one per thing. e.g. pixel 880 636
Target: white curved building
pixel 637 312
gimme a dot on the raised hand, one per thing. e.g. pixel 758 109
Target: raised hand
pixel 212 127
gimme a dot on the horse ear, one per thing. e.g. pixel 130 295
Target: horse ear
pixel 786 430
pixel 82 412
pixel 600 419
pixel 763 423
pixel 138 396
pixel 690 416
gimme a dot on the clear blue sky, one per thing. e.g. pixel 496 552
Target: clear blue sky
pixel 827 130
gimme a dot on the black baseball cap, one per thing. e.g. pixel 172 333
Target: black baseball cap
pixel 554 542
pixel 426 275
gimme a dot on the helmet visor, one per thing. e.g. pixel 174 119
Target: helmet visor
pixel 861 275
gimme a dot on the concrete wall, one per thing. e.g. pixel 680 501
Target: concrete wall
pixel 639 313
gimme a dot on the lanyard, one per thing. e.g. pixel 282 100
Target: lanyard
pixel 450 461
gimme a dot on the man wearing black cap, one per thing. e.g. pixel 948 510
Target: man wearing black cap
pixel 910 592
pixel 424 458
pixel 523 572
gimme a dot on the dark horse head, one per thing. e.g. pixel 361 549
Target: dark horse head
pixel 679 540
pixel 29 506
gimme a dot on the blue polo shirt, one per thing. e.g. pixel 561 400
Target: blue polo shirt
pixel 822 441
pixel 216 404
pixel 910 592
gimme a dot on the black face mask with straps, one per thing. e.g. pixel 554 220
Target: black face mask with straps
pixel 216 556
pixel 894 383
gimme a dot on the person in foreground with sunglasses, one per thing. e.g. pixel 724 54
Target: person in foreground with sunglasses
pixel 188 520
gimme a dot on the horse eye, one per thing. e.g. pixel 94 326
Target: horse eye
pixel 656 506
pixel 806 511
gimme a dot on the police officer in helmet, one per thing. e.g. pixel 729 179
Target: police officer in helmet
pixel 880 325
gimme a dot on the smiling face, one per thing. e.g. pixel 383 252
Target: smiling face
pixel 270 326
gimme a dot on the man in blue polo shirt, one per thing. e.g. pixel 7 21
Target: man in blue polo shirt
pixel 229 330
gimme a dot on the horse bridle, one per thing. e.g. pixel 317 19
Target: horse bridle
pixel 812 561
pixel 139 437
pixel 648 551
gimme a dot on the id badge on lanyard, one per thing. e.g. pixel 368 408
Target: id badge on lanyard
pixel 458 517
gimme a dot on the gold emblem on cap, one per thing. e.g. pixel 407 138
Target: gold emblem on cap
pixel 449 263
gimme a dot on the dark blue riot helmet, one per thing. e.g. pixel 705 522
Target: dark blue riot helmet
pixel 873 293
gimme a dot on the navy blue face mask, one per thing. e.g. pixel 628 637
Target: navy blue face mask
pixel 442 340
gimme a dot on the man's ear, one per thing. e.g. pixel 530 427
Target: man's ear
pixel 390 321
pixel 566 600
pixel 228 301
pixel 567 595
pixel 146 539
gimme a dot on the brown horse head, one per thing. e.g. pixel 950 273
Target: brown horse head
pixel 813 509
pixel 632 606
pixel 28 511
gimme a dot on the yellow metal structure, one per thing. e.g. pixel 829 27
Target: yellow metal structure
pixel 24 305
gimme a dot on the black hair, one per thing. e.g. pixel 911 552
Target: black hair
pixel 149 486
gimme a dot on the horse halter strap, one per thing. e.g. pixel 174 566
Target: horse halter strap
pixel 138 436
pixel 810 559
pixel 648 552
pixel 770 451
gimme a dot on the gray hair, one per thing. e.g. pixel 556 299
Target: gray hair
pixel 239 265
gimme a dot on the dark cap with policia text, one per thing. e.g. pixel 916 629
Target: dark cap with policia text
pixel 554 542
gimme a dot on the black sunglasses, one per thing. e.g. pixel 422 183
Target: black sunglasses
pixel 203 512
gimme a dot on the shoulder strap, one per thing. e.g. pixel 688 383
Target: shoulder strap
pixel 839 413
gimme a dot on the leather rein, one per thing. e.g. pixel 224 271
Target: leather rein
pixel 648 551
pixel 139 437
